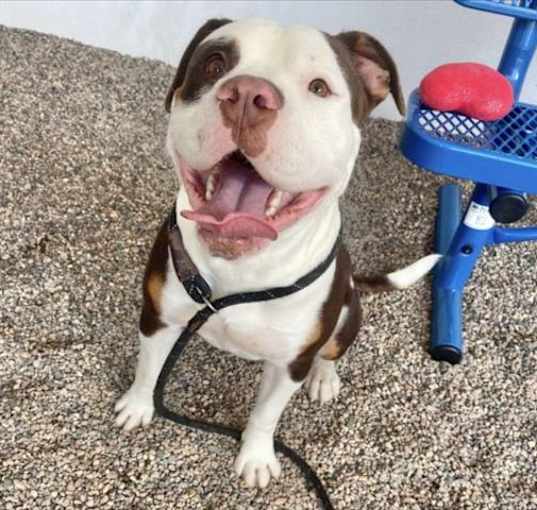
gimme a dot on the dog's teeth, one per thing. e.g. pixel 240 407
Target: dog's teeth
pixel 210 186
pixel 274 203
pixel 271 211
pixel 276 198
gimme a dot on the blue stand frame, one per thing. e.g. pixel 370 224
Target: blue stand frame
pixel 461 244
pixel 501 157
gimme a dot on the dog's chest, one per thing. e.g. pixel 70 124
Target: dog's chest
pixel 276 330
pixel 271 330
pixel 260 331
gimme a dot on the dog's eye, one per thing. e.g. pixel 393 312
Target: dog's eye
pixel 215 66
pixel 319 88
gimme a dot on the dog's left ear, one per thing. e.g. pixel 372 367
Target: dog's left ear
pixel 376 68
pixel 204 31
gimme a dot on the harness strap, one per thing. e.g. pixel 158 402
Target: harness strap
pixel 195 285
pixel 200 291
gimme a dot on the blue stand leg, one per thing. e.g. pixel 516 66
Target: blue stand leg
pixel 461 244
pixel 446 317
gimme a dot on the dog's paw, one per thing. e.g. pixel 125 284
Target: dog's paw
pixel 134 409
pixel 257 462
pixel 323 382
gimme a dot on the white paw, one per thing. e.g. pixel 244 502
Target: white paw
pixel 256 462
pixel 134 409
pixel 323 382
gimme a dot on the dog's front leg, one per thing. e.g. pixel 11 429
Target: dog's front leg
pixel 256 461
pixel 135 407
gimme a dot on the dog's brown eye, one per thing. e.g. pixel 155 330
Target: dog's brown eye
pixel 215 66
pixel 319 88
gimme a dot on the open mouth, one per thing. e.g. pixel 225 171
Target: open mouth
pixel 232 200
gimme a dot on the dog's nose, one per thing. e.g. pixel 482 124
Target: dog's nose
pixel 248 99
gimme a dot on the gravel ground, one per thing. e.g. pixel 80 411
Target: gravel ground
pixel 84 184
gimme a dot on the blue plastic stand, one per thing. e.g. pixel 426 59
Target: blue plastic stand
pixel 500 156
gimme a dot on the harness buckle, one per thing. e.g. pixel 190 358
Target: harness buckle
pixel 197 288
pixel 209 304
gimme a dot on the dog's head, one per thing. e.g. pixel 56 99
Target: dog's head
pixel 264 124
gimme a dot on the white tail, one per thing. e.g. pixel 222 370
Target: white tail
pixel 400 279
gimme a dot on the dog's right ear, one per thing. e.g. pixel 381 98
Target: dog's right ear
pixel 207 28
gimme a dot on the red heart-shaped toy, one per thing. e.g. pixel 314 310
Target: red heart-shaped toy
pixel 474 90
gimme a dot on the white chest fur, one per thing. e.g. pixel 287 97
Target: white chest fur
pixel 271 330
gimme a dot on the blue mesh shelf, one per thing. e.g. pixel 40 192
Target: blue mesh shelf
pixel 523 9
pixel 500 153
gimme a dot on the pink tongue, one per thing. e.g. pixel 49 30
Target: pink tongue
pixel 237 208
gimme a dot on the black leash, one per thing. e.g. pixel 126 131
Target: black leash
pixel 200 291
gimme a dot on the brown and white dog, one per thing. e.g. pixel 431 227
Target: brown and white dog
pixel 264 133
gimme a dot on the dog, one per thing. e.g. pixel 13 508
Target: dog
pixel 264 133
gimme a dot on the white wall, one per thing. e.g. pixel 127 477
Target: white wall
pixel 420 34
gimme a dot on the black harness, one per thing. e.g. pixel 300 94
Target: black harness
pixel 200 291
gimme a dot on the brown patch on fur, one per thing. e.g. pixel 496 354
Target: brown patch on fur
pixel 176 94
pixel 252 140
pixel 314 335
pixel 249 123
pixel 330 350
pixel 300 366
pixel 155 283
pixel 373 284
pixel 360 101
pixel 154 279
pixel 370 71
pixel 341 341
pixel 195 81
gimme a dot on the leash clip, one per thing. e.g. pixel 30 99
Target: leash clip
pixel 209 304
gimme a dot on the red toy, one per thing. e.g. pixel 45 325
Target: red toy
pixel 472 89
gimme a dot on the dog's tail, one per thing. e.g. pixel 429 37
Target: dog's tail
pixel 397 280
